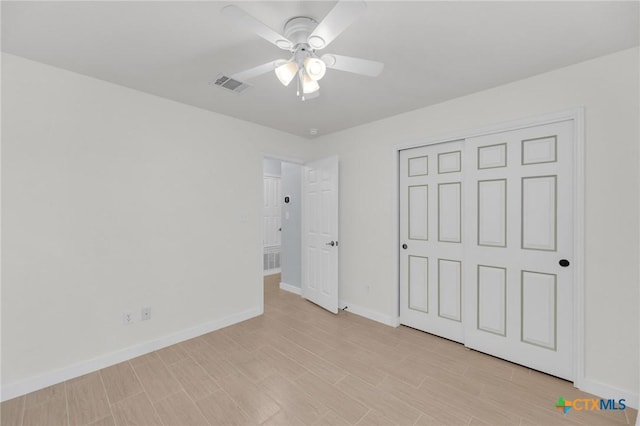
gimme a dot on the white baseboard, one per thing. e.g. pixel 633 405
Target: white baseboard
pixel 271 272
pixel 291 288
pixel 610 392
pixel 22 387
pixel 389 320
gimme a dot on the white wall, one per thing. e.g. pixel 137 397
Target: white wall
pixel 113 200
pixel 272 167
pixel 608 88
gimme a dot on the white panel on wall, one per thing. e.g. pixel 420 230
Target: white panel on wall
pixel 539 213
pixel 492 156
pixel 419 166
pixel 492 299
pixel 539 150
pixel 449 289
pixel 449 162
pixel 492 211
pixel 419 283
pixel 538 301
pixel 449 214
pixel 418 212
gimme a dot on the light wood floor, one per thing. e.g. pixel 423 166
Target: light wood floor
pixel 299 365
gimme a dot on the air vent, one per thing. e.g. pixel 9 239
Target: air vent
pixel 230 84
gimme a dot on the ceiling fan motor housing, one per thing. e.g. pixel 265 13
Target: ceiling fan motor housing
pixel 298 30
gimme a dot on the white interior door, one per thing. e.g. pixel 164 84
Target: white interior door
pixel 520 200
pixel 320 233
pixel 431 255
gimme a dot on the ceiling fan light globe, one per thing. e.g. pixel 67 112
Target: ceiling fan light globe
pixel 309 85
pixel 315 68
pixel 286 72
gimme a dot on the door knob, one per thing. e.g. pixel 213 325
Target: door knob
pixel 404 246
pixel 564 263
pixel 332 243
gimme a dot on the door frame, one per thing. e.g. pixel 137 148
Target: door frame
pixel 259 208
pixel 575 114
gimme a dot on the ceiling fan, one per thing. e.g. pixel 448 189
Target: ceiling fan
pixel 303 38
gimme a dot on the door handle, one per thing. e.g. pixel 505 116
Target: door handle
pixel 564 263
pixel 404 246
pixel 332 243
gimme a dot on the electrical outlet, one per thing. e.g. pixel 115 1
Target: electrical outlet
pixel 127 318
pixel 145 314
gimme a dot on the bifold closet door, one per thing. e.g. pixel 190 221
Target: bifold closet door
pixel 518 275
pixel 431 191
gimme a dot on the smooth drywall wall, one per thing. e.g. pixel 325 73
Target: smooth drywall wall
pixel 608 89
pixel 113 200
pixel 291 261
pixel 271 167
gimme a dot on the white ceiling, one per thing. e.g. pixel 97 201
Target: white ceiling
pixel 433 51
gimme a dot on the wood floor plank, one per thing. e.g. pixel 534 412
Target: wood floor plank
pixel 87 400
pixel 46 407
pixel 215 366
pixel 255 366
pixel 282 364
pixel 105 421
pixel 293 399
pixel 283 417
pixel 356 363
pixel 120 382
pixel 435 411
pixel 388 405
pixel 135 410
pixel 193 378
pixel 219 409
pixel 333 397
pixel 11 411
pixel 156 379
pixel 470 405
pixel 45 395
pixel 315 364
pixel 332 419
pixel 179 409
pixel 258 405
pixel 375 418
pixel 309 342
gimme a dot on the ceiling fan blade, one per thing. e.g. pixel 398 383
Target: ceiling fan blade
pixel 256 71
pixel 256 26
pixel 337 20
pixel 354 65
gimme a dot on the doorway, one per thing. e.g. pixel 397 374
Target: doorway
pixel 307 227
pixel 282 233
